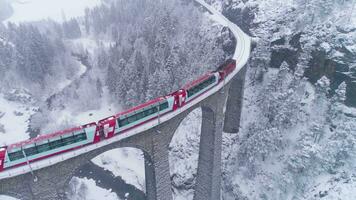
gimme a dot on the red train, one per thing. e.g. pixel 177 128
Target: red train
pixel 46 146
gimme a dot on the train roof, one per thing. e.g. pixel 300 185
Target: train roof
pixel 197 81
pixel 105 119
pixel 48 136
pixel 148 103
pixel 223 65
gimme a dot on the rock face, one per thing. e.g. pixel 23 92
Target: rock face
pixel 299 102
pixel 323 47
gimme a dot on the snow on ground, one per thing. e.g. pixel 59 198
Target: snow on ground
pixel 5 42
pixel 332 187
pixel 106 109
pixel 69 117
pixel 90 43
pixel 82 69
pixel 3 197
pixel 83 188
pixel 14 116
pixel 128 163
pixel 35 10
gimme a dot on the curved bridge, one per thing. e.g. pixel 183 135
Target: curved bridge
pixel 153 138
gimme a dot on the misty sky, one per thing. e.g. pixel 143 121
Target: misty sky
pixel 33 10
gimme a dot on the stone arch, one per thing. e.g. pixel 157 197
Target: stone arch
pixel 135 191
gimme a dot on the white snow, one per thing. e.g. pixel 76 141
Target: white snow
pixel 82 69
pixel 128 163
pixel 90 43
pixel 35 10
pixel 326 46
pixel 14 117
pixel 5 42
pixel 69 117
pixel 83 188
pixel 332 187
pixel 3 197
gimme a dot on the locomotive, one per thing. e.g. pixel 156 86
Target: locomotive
pixel 49 145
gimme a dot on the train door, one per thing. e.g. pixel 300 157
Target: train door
pixel 107 127
pixel 2 157
pixel 181 97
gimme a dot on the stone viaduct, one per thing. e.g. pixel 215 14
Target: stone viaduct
pixel 154 143
pixel 221 112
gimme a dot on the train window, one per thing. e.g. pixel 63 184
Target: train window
pixel 147 112
pixel 140 115
pixel 201 86
pixel 31 151
pixel 68 140
pixel 131 119
pixel 151 111
pixel 43 147
pixel 163 106
pixel 48 146
pixel 16 155
pixel 123 122
pixel 55 144
pixel 154 109
pixel 80 137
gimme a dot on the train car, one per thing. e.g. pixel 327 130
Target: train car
pixel 106 127
pixel 143 113
pixel 48 145
pixel 226 68
pixel 179 98
pixel 201 85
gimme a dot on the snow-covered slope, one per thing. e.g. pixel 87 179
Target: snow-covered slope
pixel 3 197
pixel 15 111
pixel 297 138
pixel 296 141
pixel 86 189
pixel 128 163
